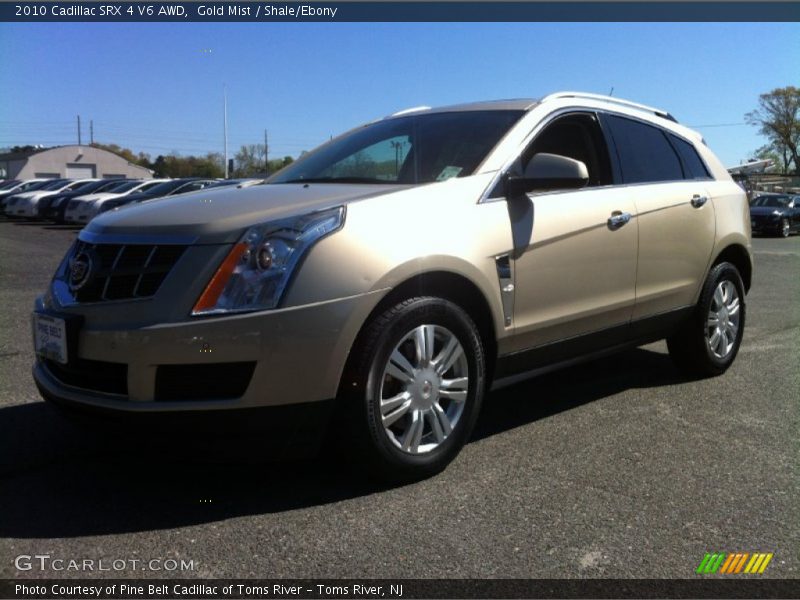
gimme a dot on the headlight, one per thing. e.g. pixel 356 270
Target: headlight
pixel 256 271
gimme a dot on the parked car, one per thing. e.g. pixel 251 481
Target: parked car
pixel 15 202
pixel 398 272
pixel 53 207
pixel 81 209
pixel 775 214
pixel 19 187
pixel 239 183
pixel 27 204
pixel 172 187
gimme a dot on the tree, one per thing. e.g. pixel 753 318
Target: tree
pixel 173 165
pixel 778 119
pixel 249 161
pixel 141 159
pixel 767 152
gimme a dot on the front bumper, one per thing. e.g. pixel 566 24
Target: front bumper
pixel 24 209
pixel 766 226
pixel 295 355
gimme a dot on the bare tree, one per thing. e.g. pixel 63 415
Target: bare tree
pixel 778 119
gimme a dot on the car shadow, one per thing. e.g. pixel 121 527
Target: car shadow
pixel 62 478
pixel 63 227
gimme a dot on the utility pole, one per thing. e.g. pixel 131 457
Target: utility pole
pixel 91 132
pixel 266 154
pixel 79 130
pixel 225 124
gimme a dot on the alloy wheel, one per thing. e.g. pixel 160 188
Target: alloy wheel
pixel 424 389
pixel 722 325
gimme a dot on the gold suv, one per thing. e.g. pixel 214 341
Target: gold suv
pixel 403 268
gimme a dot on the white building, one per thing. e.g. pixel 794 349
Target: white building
pixel 69 161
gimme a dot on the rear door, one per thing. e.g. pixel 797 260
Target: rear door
pixel 670 187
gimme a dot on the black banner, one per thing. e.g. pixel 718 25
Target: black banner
pixel 374 589
pixel 296 11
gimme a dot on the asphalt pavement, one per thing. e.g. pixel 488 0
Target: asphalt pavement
pixel 616 468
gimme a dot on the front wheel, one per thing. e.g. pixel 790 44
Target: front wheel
pixel 416 388
pixel 708 342
pixel 784 230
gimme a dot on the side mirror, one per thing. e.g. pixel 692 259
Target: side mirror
pixel 549 172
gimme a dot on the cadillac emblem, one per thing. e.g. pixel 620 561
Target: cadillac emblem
pixel 80 271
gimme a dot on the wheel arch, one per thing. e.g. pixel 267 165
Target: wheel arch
pixel 737 255
pixel 450 286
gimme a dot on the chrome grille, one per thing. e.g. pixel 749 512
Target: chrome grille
pixel 123 271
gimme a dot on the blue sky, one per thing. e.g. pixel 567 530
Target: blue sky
pixel 157 88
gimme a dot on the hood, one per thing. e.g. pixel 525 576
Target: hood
pixel 139 196
pixel 220 215
pixel 22 195
pixel 93 197
pixel 767 210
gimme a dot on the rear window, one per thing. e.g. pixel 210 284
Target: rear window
pixel 645 154
pixel 692 163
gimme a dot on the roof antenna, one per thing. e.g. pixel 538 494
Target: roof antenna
pixel 611 93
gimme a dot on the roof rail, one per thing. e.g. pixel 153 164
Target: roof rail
pixel 410 110
pixel 656 111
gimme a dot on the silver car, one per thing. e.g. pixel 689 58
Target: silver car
pixel 401 270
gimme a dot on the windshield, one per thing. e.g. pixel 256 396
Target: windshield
pixel 162 188
pixel 107 186
pixel 56 184
pixel 772 201
pixel 85 187
pixel 76 185
pixel 420 148
pixel 33 185
pixel 123 186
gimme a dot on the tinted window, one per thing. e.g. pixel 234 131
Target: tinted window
pixel 773 201
pixel 692 163
pixel 577 136
pixel 644 153
pixel 160 189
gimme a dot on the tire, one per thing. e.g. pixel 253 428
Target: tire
pixel 707 344
pixel 785 229
pixel 405 423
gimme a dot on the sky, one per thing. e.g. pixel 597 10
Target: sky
pixel 158 87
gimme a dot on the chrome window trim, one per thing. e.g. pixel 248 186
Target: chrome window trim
pixel 550 117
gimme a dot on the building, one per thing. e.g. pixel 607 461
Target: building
pixel 69 161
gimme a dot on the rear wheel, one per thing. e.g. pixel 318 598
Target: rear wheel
pixel 708 342
pixel 416 388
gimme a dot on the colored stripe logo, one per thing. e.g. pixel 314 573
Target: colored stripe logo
pixel 734 563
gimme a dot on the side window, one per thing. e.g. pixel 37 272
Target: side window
pixel 692 163
pixel 577 136
pixel 645 154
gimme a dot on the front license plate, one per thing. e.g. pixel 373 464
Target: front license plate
pixel 50 337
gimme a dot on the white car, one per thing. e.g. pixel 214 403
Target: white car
pixel 83 208
pixel 24 204
pixel 15 186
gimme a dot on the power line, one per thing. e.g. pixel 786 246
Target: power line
pixel 717 125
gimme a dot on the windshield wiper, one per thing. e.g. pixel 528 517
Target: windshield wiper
pixel 337 180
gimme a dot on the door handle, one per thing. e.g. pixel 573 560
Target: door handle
pixel 618 219
pixel 698 201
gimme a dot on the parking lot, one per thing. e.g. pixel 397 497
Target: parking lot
pixel 616 468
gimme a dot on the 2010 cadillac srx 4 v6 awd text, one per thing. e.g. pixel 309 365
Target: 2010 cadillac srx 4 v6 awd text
pixel 400 270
